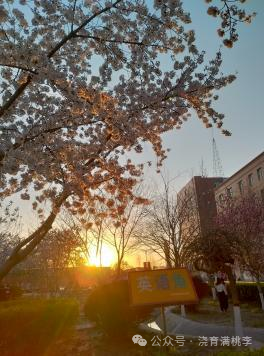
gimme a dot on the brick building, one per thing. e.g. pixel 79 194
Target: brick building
pixel 202 191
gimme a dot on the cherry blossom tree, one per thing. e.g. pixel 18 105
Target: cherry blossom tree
pixel 238 237
pixel 83 82
pixel 9 230
pixel 230 15
pixel 243 219
pixel 214 252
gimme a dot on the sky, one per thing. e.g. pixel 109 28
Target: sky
pixel 241 102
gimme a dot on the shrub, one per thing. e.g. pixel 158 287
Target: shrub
pixel 9 292
pixel 202 289
pixel 108 305
pixel 248 292
pixel 28 327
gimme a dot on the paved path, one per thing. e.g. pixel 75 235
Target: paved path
pixel 178 325
pixel 83 323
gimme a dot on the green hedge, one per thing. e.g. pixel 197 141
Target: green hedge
pixel 203 290
pixel 108 305
pixel 29 327
pixel 248 292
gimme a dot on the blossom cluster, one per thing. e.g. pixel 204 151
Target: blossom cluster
pixel 82 83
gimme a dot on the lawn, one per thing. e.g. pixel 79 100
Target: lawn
pixel 31 326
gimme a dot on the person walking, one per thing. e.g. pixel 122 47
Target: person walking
pixel 222 294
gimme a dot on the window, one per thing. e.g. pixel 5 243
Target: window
pixel 260 173
pixel 229 192
pixel 221 198
pixel 240 186
pixel 250 179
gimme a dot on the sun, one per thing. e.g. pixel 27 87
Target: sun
pixel 107 257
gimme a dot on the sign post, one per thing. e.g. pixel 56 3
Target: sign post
pixel 163 321
pixel 161 287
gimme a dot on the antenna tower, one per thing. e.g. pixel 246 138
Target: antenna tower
pixel 217 165
pixel 203 170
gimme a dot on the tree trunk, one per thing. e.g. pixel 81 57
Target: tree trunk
pixel 167 255
pixel 183 312
pixel 235 300
pixel 260 294
pixel 25 247
pixel 213 293
pixel 118 266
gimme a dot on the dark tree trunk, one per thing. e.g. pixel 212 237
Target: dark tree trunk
pixel 25 247
pixel 235 300
pixel 233 287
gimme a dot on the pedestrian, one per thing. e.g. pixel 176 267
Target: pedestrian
pixel 222 294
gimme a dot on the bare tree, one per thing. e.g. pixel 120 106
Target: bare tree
pixel 59 251
pixel 122 233
pixel 171 225
pixel 81 227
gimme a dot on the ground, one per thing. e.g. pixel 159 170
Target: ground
pixel 32 327
pixel 208 311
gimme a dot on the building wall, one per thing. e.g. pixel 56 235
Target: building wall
pixel 204 205
pixel 249 179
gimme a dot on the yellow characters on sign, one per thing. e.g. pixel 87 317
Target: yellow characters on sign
pixel 162 286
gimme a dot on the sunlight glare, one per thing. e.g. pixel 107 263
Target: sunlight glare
pixel 107 259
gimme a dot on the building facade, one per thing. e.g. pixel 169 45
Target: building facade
pixel 247 180
pixel 202 191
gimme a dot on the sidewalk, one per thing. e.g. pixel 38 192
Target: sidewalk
pixel 178 325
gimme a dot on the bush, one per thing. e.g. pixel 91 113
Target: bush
pixel 28 327
pixel 9 292
pixel 108 305
pixel 248 292
pixel 203 290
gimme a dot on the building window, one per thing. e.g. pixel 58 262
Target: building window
pixel 260 173
pixel 250 179
pixel 240 186
pixel 229 192
pixel 221 198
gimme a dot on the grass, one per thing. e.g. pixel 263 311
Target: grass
pixel 30 326
pixel 33 327
pixel 249 283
